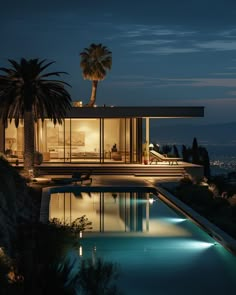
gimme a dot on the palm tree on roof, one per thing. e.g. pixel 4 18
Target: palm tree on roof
pixel 27 93
pixel 95 61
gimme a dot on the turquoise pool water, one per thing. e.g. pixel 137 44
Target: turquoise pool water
pixel 157 250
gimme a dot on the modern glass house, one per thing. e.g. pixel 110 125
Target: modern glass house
pixel 93 135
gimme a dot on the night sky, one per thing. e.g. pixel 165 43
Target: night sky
pixel 164 52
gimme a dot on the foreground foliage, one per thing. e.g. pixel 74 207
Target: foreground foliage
pixel 43 259
pixel 28 93
pixel 48 261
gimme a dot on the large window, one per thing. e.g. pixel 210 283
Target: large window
pixel 76 140
pixel 14 141
pixel 116 140
pixel 85 140
pixel 50 140
pixel 79 140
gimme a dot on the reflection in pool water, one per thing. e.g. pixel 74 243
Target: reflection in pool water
pixel 158 250
pixel 118 212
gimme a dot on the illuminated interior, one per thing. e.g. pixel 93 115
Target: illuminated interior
pixel 14 141
pixel 79 140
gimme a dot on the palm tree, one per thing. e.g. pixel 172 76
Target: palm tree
pixel 26 93
pixel 95 61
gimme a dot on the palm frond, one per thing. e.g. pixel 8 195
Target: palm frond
pixel 95 61
pixel 24 87
pixel 53 74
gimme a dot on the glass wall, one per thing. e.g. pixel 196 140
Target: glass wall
pixel 85 140
pixel 121 138
pixel 114 140
pixel 76 140
pixel 14 141
pixel 79 140
pixel 50 140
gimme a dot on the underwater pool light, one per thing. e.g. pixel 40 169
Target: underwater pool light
pixel 176 220
pixel 199 245
pixel 190 245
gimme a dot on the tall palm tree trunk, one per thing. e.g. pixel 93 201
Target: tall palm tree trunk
pixel 93 94
pixel 28 141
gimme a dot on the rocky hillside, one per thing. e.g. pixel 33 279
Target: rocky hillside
pixel 16 204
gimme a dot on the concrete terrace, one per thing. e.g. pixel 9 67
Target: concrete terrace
pixel 162 169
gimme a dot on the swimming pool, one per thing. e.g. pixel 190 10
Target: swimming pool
pixel 157 249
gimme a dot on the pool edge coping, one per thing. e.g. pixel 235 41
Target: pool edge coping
pixel 210 228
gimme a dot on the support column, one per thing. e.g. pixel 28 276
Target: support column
pixel 147 135
pixel 139 139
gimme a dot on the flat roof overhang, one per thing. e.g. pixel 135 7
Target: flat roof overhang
pixel 136 112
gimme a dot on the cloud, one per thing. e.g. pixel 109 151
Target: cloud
pixel 232 93
pixel 139 30
pixel 155 82
pixel 224 74
pixel 155 42
pixel 166 50
pixel 130 84
pixel 152 39
pixel 199 82
pixel 133 81
pixel 224 101
pixel 219 45
pixel 229 33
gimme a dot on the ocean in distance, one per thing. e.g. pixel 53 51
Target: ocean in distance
pixel 218 139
